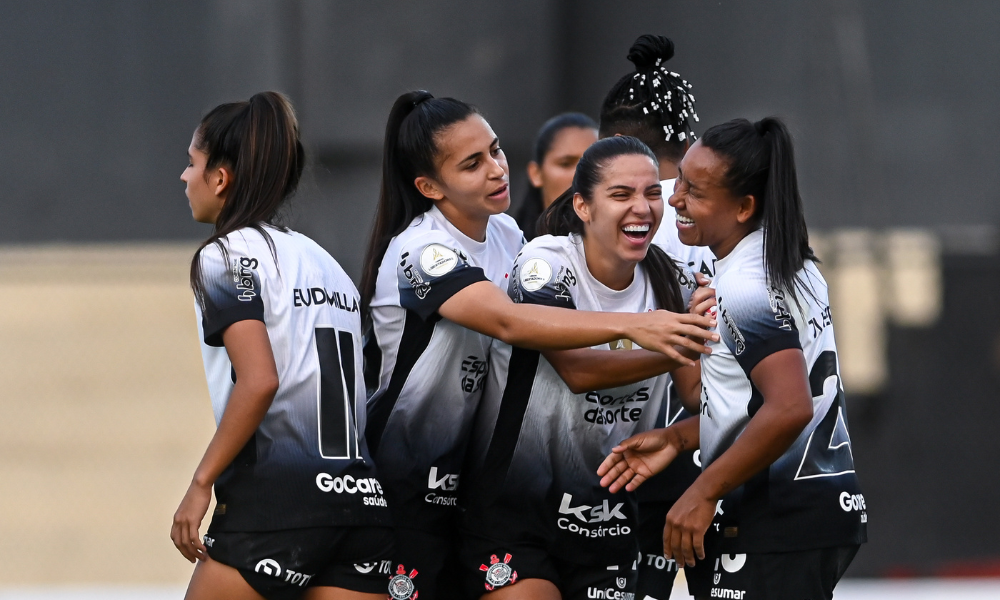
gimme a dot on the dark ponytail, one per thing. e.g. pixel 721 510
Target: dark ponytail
pixel 652 103
pixel 258 141
pixel 409 151
pixel 761 163
pixel 560 217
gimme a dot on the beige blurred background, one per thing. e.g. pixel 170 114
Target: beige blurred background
pixel 105 412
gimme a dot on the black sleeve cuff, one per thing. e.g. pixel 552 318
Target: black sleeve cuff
pixel 545 297
pixel 758 352
pixel 441 289
pixel 217 323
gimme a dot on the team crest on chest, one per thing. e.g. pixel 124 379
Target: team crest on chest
pixel 499 573
pixel 401 586
pixel 436 260
pixel 535 274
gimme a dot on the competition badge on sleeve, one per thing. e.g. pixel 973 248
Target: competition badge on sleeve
pixel 499 574
pixel 534 274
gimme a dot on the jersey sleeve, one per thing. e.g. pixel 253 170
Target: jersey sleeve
pixel 542 276
pixel 432 269
pixel 755 321
pixel 232 290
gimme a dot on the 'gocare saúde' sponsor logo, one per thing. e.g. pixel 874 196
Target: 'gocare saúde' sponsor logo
pixel 593 518
pixel 347 484
pixel 854 502
pixel 446 482
pixel 614 409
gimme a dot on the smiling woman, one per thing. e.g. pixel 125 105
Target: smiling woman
pixel 440 249
pixel 532 495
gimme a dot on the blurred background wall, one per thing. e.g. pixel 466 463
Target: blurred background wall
pixel 894 106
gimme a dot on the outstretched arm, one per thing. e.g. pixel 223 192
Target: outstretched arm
pixel 249 349
pixel 483 307
pixel 586 369
pixel 641 456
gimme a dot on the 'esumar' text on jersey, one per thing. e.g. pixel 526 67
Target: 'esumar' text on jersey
pixel 536 445
pixel 307 465
pixel 425 374
pixel 809 497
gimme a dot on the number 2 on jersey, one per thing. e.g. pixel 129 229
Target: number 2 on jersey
pixel 337 421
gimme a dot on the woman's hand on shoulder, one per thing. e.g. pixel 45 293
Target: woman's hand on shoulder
pixel 662 330
pixel 187 520
pixel 703 299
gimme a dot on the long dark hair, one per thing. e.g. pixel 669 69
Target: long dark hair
pixel 561 219
pixel 531 206
pixel 258 141
pixel 761 163
pixel 409 151
pixel 652 103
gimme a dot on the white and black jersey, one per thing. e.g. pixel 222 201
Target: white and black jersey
pixel 809 497
pixel 425 373
pixel 307 464
pixel 699 258
pixel 536 446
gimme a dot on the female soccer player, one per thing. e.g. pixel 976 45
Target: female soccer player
pixel 558 147
pixel 439 251
pixel 536 518
pixel 778 496
pixel 299 510
pixel 656 105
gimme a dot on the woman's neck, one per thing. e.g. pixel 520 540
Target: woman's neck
pixel 472 227
pixel 725 247
pixel 607 267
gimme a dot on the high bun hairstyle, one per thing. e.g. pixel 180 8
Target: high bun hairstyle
pixel 761 163
pixel 560 217
pixel 652 103
pixel 258 141
pixel 409 151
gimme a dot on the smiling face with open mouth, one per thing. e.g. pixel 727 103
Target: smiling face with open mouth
pixel 623 214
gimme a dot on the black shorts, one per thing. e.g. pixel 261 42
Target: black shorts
pixel 656 572
pixel 280 565
pixel 426 563
pixel 488 565
pixel 796 575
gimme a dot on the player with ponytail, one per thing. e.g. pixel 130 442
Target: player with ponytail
pixel 768 516
pixel 281 341
pixel 440 249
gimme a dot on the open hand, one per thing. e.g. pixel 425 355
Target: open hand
pixel 637 459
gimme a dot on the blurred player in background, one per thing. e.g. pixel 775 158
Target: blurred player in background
pixel 440 248
pixel 777 511
pixel 536 522
pixel 558 147
pixel 300 510
pixel 656 106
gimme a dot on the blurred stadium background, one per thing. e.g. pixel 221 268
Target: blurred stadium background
pixel 104 412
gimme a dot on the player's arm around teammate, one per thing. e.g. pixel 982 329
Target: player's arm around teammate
pixel 773 420
pixel 277 533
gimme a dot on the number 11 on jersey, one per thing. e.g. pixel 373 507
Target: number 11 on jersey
pixel 337 421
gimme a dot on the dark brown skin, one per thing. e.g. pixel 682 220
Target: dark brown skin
pixel 721 220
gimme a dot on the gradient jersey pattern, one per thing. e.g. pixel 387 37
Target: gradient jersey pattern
pixel 425 374
pixel 810 496
pixel 307 464
pixel 537 445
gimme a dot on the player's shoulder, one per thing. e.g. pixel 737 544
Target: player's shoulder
pixel 505 227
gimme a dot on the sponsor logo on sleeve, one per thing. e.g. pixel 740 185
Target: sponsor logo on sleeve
pixel 420 287
pixel 243 277
pixel 776 299
pixel 436 260
pixel 535 273
pixel 734 331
